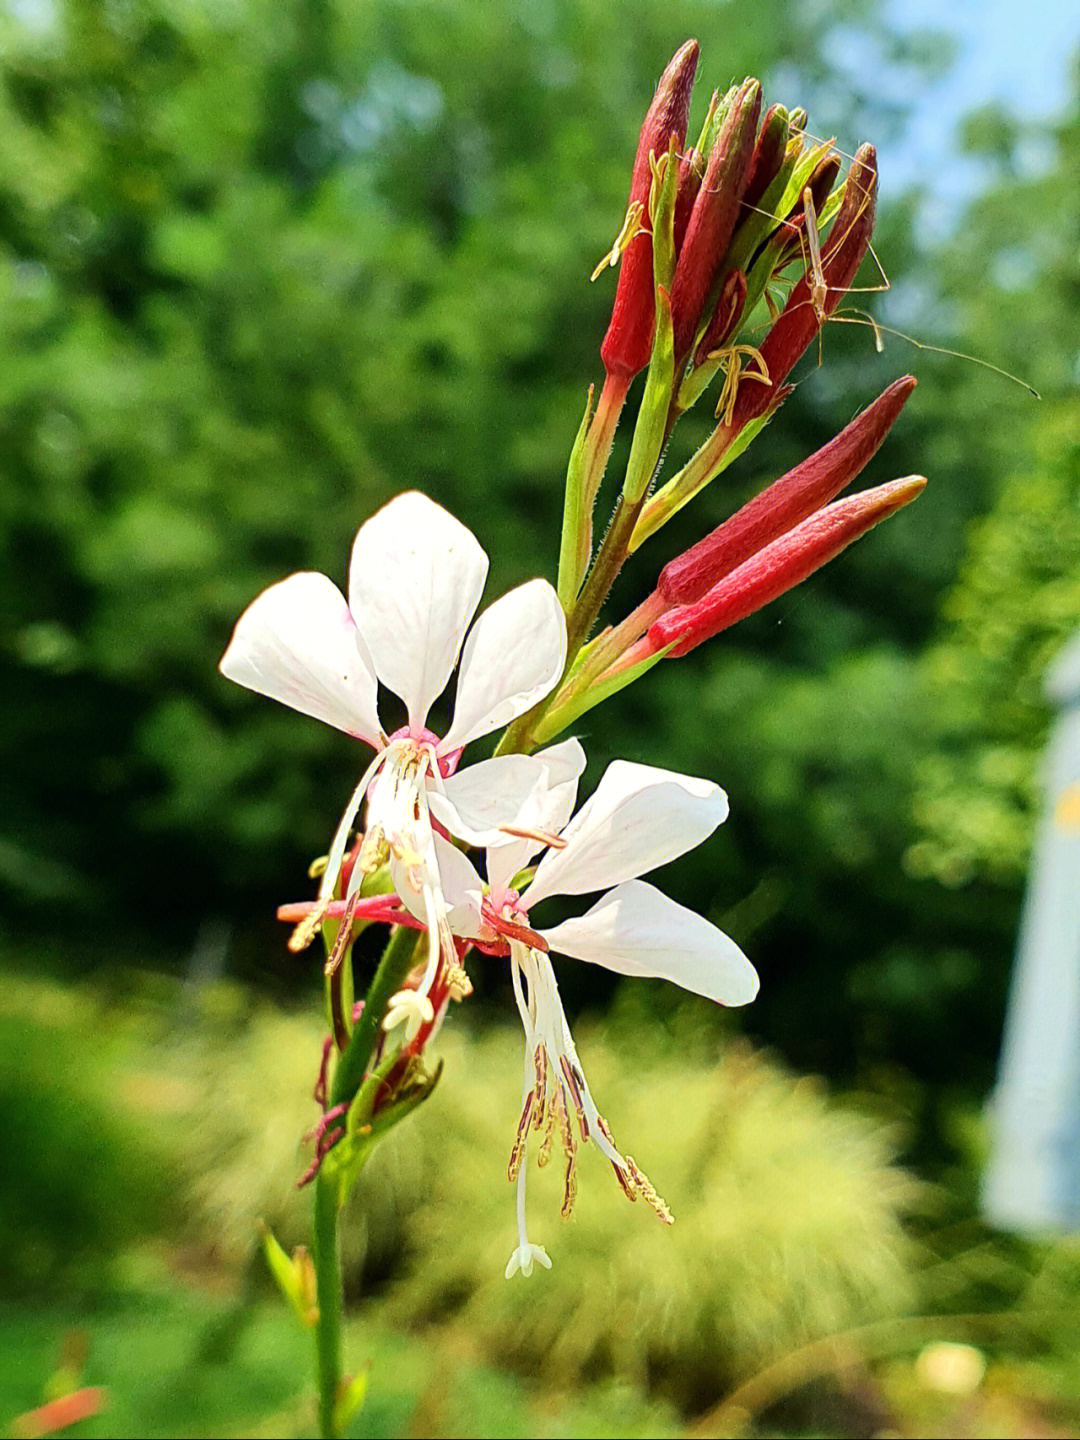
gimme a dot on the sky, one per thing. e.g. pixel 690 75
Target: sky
pixel 1019 55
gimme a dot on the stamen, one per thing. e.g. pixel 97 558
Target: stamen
pixel 542 837
pixel 658 169
pixel 308 928
pixel 457 981
pixel 566 1129
pixel 543 1155
pixel 647 1191
pixel 569 1145
pixel 735 371
pixel 517 1152
pixel 629 228
pixel 373 852
pixel 572 1080
pixel 345 825
pixel 343 938
pixel 569 1186
pixel 511 929
pixel 625 1181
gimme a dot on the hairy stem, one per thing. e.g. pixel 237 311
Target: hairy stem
pixel 397 960
pixel 329 1284
pixel 394 967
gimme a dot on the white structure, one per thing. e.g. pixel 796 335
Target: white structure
pixel 1032 1182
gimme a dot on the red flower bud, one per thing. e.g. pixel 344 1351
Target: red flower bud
pixel 822 181
pixel 715 212
pixel 726 316
pixel 691 168
pixel 780 566
pixel 768 153
pixel 628 342
pixel 800 320
pixel 786 502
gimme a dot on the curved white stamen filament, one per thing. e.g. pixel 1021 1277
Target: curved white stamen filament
pixel 345 824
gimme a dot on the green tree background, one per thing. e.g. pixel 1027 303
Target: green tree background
pixel 262 267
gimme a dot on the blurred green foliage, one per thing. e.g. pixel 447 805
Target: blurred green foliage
pixel 1017 598
pixel 262 267
pixel 800 1249
pixel 789 1207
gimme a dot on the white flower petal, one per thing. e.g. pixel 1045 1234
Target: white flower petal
pixel 461 886
pixel 547 809
pixel 513 657
pixel 637 818
pixel 297 643
pixel 483 797
pixel 637 930
pixel 415 581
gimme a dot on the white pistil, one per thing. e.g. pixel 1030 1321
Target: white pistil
pixel 526 1255
pixel 412 1009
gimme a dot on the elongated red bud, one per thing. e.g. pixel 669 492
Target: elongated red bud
pixel 715 212
pixel 726 316
pixel 780 566
pixel 820 186
pixel 691 167
pixel 803 315
pixel 628 342
pixel 768 153
pixel 822 181
pixel 786 502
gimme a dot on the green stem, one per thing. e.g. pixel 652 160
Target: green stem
pixel 610 559
pixel 397 961
pixel 393 970
pixel 329 1284
pixel 520 738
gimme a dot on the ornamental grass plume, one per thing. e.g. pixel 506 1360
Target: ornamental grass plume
pixel 713 234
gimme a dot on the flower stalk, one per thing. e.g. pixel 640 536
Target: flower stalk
pixel 707 232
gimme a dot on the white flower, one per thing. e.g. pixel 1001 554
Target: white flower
pixel 415 580
pixel 638 818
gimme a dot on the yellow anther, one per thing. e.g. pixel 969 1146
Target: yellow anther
pixel 374 852
pixel 543 1155
pixel 658 168
pixel 736 369
pixel 517 1152
pixel 308 928
pixel 626 1181
pixel 318 867
pixel 569 1186
pixel 458 983
pixel 647 1191
pixel 630 227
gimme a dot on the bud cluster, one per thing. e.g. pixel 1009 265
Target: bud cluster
pixel 734 252
pixel 750 199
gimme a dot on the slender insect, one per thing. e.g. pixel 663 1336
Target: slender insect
pixel 819 293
